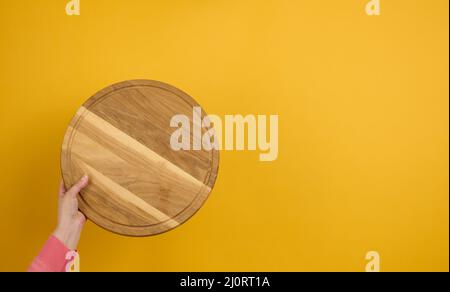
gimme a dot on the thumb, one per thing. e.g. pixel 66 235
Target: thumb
pixel 81 184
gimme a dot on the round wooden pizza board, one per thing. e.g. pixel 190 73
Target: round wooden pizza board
pixel 138 185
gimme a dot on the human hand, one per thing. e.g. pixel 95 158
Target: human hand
pixel 70 220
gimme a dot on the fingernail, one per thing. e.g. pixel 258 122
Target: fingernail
pixel 85 178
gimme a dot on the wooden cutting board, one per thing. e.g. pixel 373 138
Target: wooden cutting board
pixel 120 138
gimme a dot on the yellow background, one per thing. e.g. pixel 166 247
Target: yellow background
pixel 363 106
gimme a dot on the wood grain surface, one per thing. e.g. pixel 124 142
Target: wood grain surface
pixel 120 138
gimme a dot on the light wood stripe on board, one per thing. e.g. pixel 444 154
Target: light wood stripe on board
pixel 125 195
pixel 140 149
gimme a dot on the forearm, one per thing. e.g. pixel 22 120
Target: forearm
pixel 52 257
pixel 57 251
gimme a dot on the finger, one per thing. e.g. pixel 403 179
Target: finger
pixel 62 189
pixel 82 183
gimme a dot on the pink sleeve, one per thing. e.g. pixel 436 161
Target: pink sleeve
pixel 52 257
